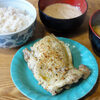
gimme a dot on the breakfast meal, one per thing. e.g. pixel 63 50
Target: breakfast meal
pixel 62 11
pixel 50 60
pixel 50 68
pixel 97 29
pixel 13 19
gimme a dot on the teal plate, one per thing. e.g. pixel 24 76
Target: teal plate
pixel 28 85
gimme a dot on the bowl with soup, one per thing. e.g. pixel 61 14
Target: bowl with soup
pixel 94 31
pixel 17 22
pixel 62 16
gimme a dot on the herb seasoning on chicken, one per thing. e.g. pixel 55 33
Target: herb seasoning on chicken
pixel 50 61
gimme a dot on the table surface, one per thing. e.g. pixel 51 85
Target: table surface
pixel 8 91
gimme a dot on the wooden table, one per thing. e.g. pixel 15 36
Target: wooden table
pixel 8 91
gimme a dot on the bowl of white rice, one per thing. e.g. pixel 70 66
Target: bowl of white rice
pixel 17 22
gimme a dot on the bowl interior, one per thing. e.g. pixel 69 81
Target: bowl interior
pixel 22 5
pixel 95 20
pixel 82 4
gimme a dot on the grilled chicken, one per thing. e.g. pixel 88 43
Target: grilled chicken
pixel 50 60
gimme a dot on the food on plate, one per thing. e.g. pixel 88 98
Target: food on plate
pixel 13 19
pixel 50 60
pixel 62 11
pixel 97 29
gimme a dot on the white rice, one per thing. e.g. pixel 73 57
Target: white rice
pixel 13 20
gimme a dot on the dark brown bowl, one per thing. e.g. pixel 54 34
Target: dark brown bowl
pixel 93 36
pixel 62 25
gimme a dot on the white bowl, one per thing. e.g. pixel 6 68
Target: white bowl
pixel 15 39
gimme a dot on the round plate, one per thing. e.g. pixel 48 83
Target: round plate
pixel 28 85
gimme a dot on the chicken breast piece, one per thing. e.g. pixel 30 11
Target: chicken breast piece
pixel 50 60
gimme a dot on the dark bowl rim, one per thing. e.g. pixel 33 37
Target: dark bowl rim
pixel 90 20
pixel 64 19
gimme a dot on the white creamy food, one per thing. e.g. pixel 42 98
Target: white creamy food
pixel 62 11
pixel 13 20
pixel 50 60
